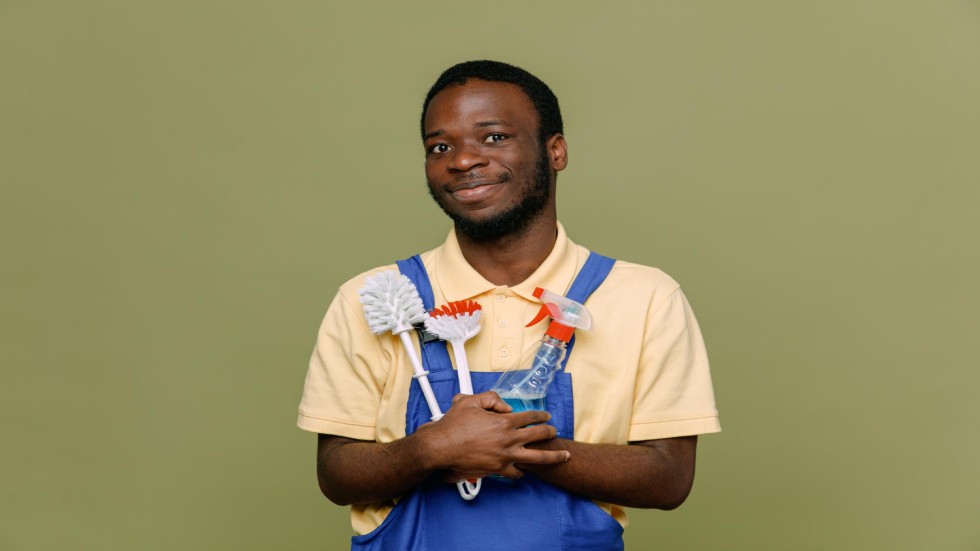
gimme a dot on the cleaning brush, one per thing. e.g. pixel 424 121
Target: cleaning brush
pixel 456 322
pixel 392 303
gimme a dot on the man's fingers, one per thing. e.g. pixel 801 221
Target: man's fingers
pixel 490 401
pixel 536 433
pixel 542 457
pixel 530 417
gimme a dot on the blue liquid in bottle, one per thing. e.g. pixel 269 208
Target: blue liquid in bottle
pixel 526 404
pixel 525 389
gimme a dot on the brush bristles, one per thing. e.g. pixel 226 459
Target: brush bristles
pixel 456 308
pixel 391 302
pixel 455 321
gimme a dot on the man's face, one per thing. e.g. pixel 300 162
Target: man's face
pixel 483 162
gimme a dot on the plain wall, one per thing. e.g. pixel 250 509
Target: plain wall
pixel 184 185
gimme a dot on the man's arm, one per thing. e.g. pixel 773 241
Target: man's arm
pixel 650 474
pixel 477 435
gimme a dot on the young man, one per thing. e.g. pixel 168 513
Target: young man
pixel 623 414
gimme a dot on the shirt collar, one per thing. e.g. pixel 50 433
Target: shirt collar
pixel 459 281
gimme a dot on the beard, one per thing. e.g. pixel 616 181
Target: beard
pixel 512 221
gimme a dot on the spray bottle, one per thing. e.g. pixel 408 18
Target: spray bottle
pixel 525 389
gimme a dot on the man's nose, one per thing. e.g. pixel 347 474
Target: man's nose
pixel 467 157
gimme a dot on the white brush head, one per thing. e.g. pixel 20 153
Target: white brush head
pixel 454 328
pixel 456 321
pixel 391 303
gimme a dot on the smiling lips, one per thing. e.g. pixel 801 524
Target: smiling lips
pixel 474 190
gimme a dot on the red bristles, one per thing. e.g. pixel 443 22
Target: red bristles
pixel 456 308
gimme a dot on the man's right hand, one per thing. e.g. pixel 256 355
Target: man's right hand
pixel 479 436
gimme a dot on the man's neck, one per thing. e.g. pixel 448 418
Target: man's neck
pixel 512 259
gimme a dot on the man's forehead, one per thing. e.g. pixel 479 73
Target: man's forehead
pixel 492 102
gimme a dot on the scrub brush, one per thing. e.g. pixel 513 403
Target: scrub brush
pixel 456 322
pixel 392 303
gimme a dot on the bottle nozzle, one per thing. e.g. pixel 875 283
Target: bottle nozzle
pixel 566 315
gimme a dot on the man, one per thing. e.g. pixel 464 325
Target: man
pixel 624 413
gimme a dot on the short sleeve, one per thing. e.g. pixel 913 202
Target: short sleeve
pixel 673 395
pixel 345 380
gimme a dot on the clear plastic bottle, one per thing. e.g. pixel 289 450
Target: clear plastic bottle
pixel 525 389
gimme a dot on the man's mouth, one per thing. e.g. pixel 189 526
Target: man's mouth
pixel 474 191
pixel 471 183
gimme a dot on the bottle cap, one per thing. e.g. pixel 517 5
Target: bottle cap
pixel 559 331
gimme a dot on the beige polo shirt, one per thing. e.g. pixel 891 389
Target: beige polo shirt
pixel 640 374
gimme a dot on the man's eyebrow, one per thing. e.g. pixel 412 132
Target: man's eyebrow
pixel 480 124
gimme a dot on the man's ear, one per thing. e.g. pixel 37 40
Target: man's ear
pixel 557 152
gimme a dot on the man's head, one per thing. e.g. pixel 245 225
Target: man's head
pixel 544 100
pixel 492 134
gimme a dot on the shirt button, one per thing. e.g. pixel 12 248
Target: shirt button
pixel 501 298
pixel 503 352
pixel 503 323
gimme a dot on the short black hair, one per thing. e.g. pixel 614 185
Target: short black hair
pixel 544 100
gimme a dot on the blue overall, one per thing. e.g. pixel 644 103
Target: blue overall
pixel 528 514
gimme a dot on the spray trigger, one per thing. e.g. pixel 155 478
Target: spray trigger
pixel 566 314
pixel 542 313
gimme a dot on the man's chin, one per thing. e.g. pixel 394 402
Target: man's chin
pixel 491 228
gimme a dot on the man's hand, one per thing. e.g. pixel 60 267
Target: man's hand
pixel 479 436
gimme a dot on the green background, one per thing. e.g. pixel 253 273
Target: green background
pixel 183 186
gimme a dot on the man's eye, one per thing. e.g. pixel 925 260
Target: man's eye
pixel 495 138
pixel 439 148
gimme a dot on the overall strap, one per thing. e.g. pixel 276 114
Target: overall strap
pixel 415 270
pixel 589 278
pixel 435 356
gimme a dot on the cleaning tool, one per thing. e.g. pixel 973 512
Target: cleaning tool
pixel 525 389
pixel 457 322
pixel 392 303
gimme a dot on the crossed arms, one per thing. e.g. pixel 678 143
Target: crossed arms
pixel 479 436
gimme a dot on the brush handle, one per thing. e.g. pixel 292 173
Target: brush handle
pixel 421 375
pixel 462 368
pixel 469 488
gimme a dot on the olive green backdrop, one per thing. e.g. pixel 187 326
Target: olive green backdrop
pixel 183 185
